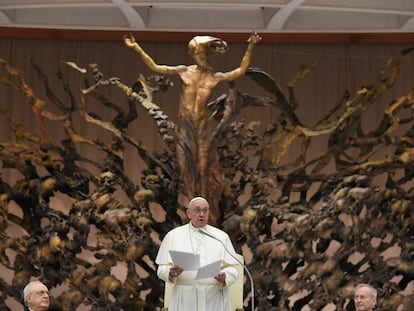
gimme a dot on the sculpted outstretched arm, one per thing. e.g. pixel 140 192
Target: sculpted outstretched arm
pixel 245 62
pixel 161 69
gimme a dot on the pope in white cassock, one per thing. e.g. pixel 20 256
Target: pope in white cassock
pixel 189 294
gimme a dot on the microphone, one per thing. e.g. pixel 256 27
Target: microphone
pixel 235 258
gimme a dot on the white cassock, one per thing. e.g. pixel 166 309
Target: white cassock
pixel 189 294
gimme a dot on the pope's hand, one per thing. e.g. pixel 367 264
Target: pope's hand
pixel 221 277
pixel 175 271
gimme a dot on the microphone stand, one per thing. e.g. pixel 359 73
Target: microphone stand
pixel 241 263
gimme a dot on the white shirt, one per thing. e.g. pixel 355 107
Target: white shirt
pixel 189 294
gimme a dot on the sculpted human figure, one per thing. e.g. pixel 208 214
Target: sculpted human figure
pixel 198 82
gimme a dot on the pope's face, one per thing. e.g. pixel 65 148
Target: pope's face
pixel 38 299
pixel 198 213
pixel 363 299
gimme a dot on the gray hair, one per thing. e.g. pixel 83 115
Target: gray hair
pixel 372 290
pixel 28 289
pixel 196 199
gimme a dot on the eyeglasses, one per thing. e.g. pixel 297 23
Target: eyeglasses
pixel 362 297
pixel 198 210
pixel 41 293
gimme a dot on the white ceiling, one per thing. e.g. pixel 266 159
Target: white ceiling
pixel 217 15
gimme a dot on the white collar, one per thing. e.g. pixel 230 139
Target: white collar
pixel 195 228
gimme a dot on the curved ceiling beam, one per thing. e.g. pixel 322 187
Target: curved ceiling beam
pixel 4 19
pixel 409 24
pixel 134 19
pixel 279 19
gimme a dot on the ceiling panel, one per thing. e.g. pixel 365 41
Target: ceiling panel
pixel 347 21
pixel 216 15
pixel 70 17
pixel 213 2
pixel 228 17
pixel 387 5
pixel 49 2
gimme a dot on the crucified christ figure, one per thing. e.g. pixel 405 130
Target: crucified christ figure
pixel 198 82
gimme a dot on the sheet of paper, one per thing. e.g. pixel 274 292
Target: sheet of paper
pixel 187 261
pixel 208 271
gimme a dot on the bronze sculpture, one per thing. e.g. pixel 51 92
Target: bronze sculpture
pixel 306 245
